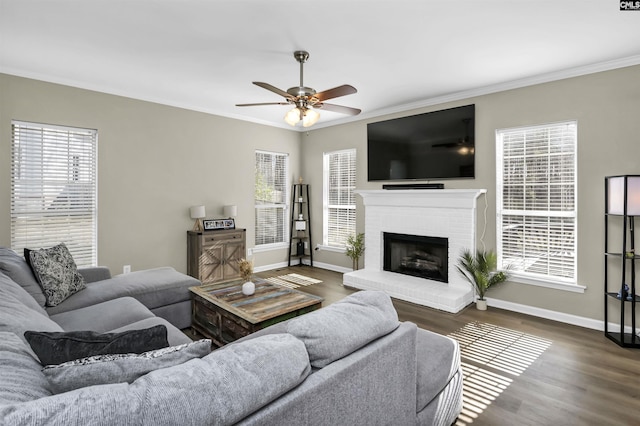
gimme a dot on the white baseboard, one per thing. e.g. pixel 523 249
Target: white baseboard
pixel 585 322
pixel 320 265
pixel 270 267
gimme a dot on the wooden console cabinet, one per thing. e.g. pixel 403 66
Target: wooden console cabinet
pixel 212 256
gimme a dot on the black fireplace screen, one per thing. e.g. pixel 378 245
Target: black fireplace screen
pixel 416 255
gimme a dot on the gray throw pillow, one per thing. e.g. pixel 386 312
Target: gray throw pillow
pixel 21 378
pixel 106 369
pixel 339 329
pixel 58 347
pixel 56 272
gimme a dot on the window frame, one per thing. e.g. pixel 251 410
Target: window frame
pixel 283 205
pixel 54 189
pixel 551 214
pixel 326 206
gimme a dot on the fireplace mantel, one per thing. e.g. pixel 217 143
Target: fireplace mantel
pixel 447 213
pixel 438 198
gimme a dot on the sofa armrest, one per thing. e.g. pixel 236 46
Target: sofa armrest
pixel 95 273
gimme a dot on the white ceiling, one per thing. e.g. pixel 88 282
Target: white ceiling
pixel 399 54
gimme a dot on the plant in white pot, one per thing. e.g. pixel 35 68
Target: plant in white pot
pixel 480 270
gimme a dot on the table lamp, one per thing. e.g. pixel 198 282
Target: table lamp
pixel 197 213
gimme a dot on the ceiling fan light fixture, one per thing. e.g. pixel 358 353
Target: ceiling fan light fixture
pixel 310 118
pixel 292 117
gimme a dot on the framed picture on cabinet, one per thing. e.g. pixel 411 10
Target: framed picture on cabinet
pixel 216 224
pixel 210 225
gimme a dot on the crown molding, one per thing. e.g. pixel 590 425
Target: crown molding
pixel 495 88
pixel 486 90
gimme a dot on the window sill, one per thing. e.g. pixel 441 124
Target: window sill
pixel 331 248
pixel 270 247
pixel 556 285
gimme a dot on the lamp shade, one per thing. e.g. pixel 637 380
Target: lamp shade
pixel 197 212
pixel 310 118
pixel 230 211
pixel 292 117
pixel 616 187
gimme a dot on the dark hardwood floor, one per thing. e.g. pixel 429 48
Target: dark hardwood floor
pixel 524 370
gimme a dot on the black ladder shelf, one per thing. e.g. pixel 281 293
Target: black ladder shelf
pixel 300 246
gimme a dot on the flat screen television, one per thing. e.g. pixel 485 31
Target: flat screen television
pixel 433 145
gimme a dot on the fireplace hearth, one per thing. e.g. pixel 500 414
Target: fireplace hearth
pixel 416 255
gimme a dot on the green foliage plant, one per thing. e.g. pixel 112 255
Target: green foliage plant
pixel 480 270
pixel 355 248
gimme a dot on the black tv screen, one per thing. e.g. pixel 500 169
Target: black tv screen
pixel 433 145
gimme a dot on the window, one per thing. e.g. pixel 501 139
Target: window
pixel 536 202
pixel 272 170
pixel 339 205
pixel 54 189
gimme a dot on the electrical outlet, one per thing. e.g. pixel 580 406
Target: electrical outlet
pixel 249 252
pixel 126 269
pixel 306 245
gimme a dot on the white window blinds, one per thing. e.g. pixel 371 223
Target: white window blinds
pixel 54 189
pixel 271 187
pixel 536 191
pixel 339 216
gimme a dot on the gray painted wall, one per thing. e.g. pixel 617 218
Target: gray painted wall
pixel 155 161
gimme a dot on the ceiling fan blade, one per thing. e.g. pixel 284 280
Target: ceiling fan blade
pixel 273 89
pixel 343 90
pixel 264 103
pixel 339 108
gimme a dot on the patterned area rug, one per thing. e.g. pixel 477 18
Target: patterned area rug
pixel 293 280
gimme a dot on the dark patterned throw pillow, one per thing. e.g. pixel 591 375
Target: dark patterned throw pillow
pixel 59 347
pixel 56 273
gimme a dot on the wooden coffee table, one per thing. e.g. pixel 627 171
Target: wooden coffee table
pixel 222 313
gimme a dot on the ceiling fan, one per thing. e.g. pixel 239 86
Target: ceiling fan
pixel 306 100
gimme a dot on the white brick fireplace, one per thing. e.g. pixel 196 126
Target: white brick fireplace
pixel 445 213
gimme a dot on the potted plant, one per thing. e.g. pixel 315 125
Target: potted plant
pixel 355 249
pixel 480 270
pixel 246 271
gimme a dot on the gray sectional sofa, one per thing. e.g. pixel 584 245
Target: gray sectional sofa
pixel 350 363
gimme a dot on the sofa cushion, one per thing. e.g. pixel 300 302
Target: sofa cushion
pixel 152 287
pixel 117 368
pixel 230 383
pixel 339 329
pixel 21 378
pixel 204 391
pixel 103 317
pixel 56 272
pixel 16 268
pixel 9 288
pixel 59 347
pixel 438 361
pixel 16 318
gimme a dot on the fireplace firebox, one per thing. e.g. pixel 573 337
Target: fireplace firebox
pixel 416 255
